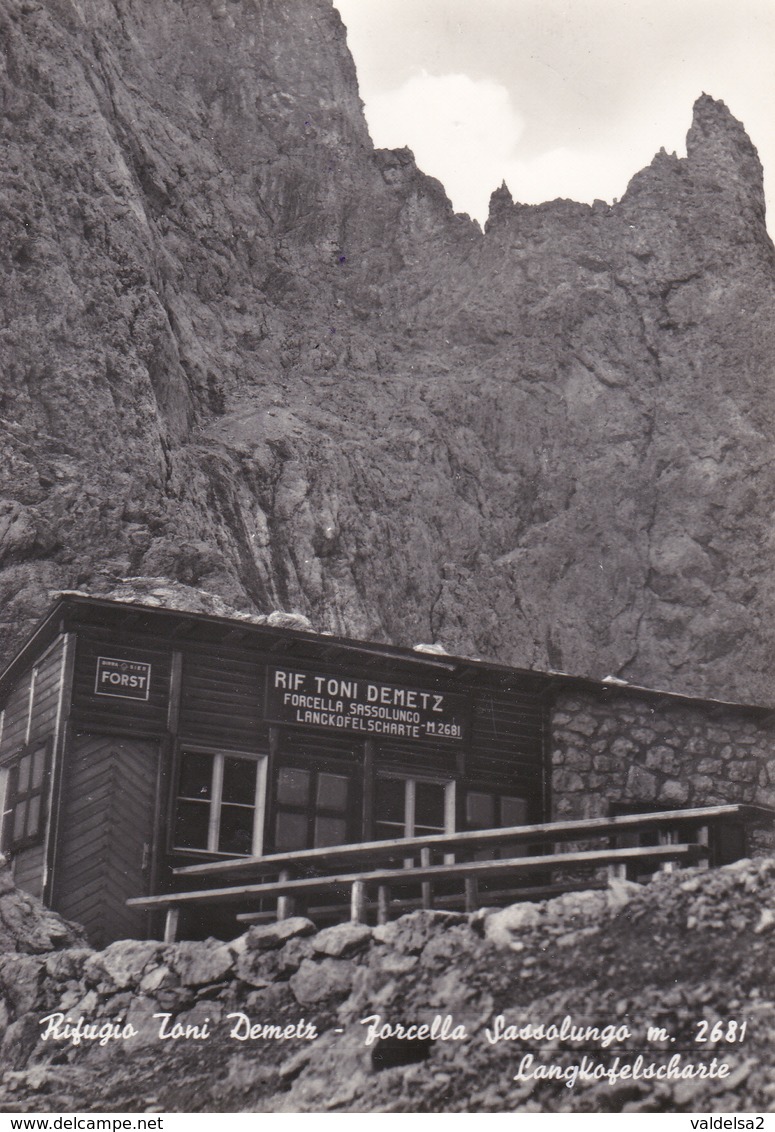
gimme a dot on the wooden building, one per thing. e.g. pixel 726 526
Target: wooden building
pixel 135 739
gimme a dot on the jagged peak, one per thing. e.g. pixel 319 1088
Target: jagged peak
pixel 713 126
pixel 718 151
pixel 501 204
pixel 718 148
pixel 710 111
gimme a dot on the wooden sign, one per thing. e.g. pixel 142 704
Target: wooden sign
pixel 367 708
pixel 125 679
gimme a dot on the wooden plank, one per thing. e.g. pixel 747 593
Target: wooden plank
pixel 15 717
pixel 91 875
pixel 367 807
pixel 90 910
pixel 452 900
pixel 479 869
pixel 28 869
pixel 173 704
pixel 402 847
pixel 220 685
pixel 59 740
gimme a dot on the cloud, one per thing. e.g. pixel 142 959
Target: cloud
pixel 464 131
pixel 564 172
pixel 560 99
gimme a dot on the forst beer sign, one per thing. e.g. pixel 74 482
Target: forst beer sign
pixel 126 679
pixel 366 708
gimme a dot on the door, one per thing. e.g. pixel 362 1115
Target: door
pixel 106 831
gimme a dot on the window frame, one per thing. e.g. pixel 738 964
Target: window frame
pixel 410 791
pixel 310 810
pixel 215 802
pixel 497 793
pixel 14 798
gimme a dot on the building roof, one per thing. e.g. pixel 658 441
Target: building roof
pixel 73 610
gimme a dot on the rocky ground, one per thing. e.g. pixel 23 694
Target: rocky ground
pixel 688 950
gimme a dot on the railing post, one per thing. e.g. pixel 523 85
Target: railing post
pixel 472 894
pixel 617 871
pixel 171 924
pixel 667 837
pixel 284 903
pixel 427 891
pixel 383 904
pixel 358 902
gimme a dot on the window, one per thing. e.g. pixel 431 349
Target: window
pixel 413 807
pixel 24 818
pixel 485 810
pixel 489 810
pixel 312 809
pixel 219 805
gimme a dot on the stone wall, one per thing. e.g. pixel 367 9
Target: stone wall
pixel 278 1019
pixel 615 745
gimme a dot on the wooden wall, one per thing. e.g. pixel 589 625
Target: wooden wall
pixel 508 736
pixel 221 706
pixel 221 701
pixel 16 717
pixel 32 718
pixel 111 712
pixel 117 772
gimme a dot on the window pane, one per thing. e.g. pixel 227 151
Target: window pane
pixel 38 766
pixel 23 781
pixel 390 800
pixel 332 793
pixel 429 805
pixel 385 831
pixel 236 835
pixel 513 811
pixel 33 816
pixel 480 810
pixel 293 786
pixel 330 831
pixel 290 831
pixel 196 773
pixel 191 822
pixel 239 781
pixel 425 830
pixel 18 821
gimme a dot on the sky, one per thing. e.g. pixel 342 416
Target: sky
pixel 559 98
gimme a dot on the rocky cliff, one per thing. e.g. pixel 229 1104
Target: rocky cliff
pixel 243 350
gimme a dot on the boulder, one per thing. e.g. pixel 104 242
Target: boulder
pixel 342 940
pixel 317 981
pixel 411 932
pixel 502 927
pixel 123 962
pixel 264 937
pixel 198 964
pixel 27 925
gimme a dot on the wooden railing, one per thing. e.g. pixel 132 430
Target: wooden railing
pixel 352 872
